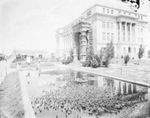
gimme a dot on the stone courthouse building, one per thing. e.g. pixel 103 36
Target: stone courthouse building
pixel 125 23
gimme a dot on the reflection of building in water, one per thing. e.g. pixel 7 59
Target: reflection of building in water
pixel 107 21
pixel 119 87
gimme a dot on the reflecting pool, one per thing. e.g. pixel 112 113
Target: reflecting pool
pixel 73 94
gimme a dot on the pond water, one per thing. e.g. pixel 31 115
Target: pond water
pixel 72 94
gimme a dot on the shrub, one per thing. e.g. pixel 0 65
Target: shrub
pixel 94 63
pixel 126 59
pixel 98 59
pixel 67 60
pixel 141 52
pixel 87 63
pixel 106 62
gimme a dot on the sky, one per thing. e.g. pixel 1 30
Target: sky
pixel 32 24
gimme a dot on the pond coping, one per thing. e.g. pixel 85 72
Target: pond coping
pixel 29 113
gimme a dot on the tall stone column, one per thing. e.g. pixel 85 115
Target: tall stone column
pixel 126 39
pixel 74 47
pixel 120 30
pixel 83 45
pixel 131 34
pixel 126 32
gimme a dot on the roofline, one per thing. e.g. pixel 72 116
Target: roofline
pixel 112 8
pixel 101 6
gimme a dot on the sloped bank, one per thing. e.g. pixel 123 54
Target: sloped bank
pixel 11 103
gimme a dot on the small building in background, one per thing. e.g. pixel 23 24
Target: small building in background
pixel 22 54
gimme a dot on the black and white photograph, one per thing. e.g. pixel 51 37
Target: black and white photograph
pixel 74 58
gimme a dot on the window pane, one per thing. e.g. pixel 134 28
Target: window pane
pixel 107 24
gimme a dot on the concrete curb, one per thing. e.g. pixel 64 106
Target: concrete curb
pixel 29 113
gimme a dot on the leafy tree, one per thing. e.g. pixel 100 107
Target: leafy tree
pixel 108 53
pixel 87 63
pixel 89 53
pixel 89 57
pixel 69 59
pixel 141 52
pixel 126 59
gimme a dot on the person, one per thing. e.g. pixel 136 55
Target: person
pixel 28 78
pixel 28 60
pixel 39 68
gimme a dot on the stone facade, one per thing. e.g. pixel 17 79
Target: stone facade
pixel 102 23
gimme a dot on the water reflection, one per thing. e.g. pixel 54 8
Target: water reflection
pixel 117 87
pixel 87 92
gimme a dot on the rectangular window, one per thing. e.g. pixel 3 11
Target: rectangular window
pixel 135 50
pixel 139 39
pixel 103 35
pixel 107 11
pixel 103 24
pixel 108 36
pixel 107 24
pixel 112 25
pixel 118 32
pixel 141 29
pixel 142 40
pixel 124 49
pixel 103 10
pixel 112 11
pixel 112 36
